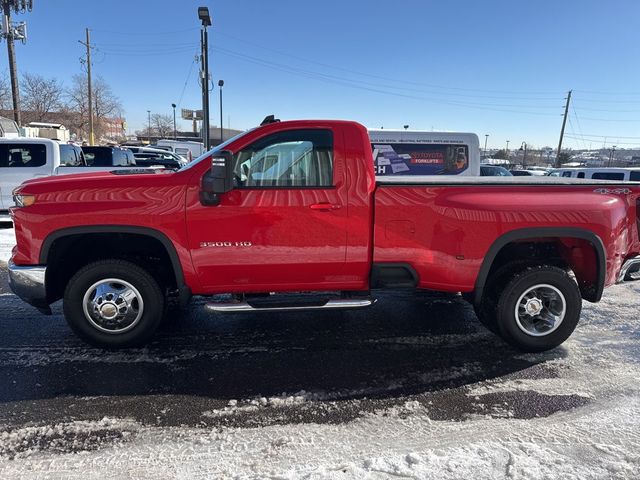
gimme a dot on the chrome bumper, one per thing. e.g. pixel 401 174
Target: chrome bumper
pixel 28 283
pixel 630 270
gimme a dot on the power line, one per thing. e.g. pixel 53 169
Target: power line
pixel 373 87
pixel 617 143
pixel 146 34
pixel 407 82
pixel 184 87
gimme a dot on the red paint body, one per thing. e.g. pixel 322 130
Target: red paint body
pixel 315 239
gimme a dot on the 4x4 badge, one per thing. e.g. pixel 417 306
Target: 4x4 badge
pixel 619 191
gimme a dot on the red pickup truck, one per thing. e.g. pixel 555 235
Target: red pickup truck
pixel 289 216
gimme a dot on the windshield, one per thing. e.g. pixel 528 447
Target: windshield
pixel 218 148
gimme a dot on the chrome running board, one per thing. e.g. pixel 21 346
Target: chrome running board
pixel 347 303
pixel 630 271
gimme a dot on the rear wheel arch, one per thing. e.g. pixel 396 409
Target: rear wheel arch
pixel 544 236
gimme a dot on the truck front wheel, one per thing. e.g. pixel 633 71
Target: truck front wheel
pixel 538 308
pixel 113 304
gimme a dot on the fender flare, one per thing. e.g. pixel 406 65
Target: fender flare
pixel 543 232
pixel 143 231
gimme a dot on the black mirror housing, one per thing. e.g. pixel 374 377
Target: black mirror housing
pixel 219 179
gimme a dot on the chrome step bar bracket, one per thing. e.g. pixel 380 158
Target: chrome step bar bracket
pixel 625 271
pixel 231 307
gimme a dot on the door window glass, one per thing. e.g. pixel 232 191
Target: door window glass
pixel 69 156
pixel 295 158
pixel 23 155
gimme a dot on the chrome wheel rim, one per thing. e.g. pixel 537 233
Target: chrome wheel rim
pixel 540 310
pixel 113 305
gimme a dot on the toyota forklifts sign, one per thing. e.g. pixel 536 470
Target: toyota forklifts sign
pixel 415 159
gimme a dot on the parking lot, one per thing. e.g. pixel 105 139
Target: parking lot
pixel 412 387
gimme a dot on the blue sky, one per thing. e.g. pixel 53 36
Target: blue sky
pixel 497 67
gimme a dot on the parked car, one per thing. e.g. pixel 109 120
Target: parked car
pixel 527 173
pixel 487 170
pixel 102 156
pixel 296 207
pixel 149 157
pixel 186 149
pixel 22 159
pixel 613 173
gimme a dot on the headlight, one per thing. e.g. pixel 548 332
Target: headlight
pixel 23 200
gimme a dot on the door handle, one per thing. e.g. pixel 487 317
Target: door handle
pixel 324 207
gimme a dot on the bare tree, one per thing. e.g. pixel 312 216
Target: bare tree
pixel 40 97
pixel 162 125
pixel 6 102
pixel 106 106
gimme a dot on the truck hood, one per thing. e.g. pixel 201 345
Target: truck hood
pixel 115 178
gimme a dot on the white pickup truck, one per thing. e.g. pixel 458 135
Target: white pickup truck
pixel 22 159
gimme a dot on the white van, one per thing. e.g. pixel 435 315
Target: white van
pixel 398 153
pixel 631 174
pixel 187 150
pixel 22 159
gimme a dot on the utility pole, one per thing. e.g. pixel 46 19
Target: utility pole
pixel 611 153
pixel 14 32
pixel 221 84
pixel 205 18
pixel 564 122
pixel 89 88
pixel 486 136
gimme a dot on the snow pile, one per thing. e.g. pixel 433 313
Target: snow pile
pixel 7 242
pixel 255 404
pixel 64 437
pixel 595 443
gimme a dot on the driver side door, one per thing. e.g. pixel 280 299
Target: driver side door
pixel 284 226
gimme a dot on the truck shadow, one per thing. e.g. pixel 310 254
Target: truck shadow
pixel 407 344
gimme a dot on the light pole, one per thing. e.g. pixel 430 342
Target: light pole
pixel 175 131
pixel 486 137
pixel 524 158
pixel 221 84
pixel 507 150
pixel 149 125
pixel 205 18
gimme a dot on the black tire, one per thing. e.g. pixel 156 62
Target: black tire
pixel 144 314
pixel 486 311
pixel 522 333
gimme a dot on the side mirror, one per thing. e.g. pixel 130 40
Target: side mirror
pixel 218 180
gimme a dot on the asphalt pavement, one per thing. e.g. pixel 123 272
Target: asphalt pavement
pixel 424 347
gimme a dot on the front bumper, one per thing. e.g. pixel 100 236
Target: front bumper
pixel 28 283
pixel 630 270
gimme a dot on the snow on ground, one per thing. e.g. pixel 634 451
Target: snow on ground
pixel 598 440
pixel 7 241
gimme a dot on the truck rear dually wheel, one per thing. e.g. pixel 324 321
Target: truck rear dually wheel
pixel 113 304
pixel 538 308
